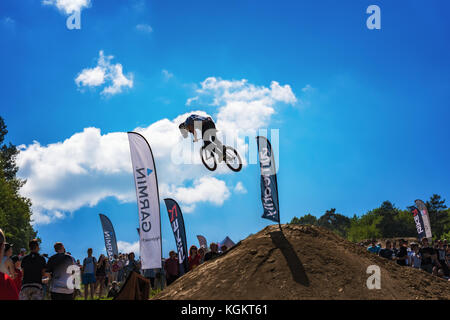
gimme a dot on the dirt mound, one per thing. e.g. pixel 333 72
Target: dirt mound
pixel 302 262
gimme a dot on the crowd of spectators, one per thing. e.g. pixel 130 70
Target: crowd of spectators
pixel 36 276
pixel 433 258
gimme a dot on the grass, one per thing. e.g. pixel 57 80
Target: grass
pixel 96 296
pixel 154 292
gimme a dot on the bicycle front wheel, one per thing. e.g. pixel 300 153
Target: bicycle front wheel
pixel 232 159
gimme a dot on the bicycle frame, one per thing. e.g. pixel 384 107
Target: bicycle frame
pixel 216 148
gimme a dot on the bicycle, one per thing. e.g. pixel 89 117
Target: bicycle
pixel 216 152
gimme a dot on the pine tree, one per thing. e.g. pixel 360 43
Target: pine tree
pixel 15 210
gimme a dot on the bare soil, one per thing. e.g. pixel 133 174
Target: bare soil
pixel 302 262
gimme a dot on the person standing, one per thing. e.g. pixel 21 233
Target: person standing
pixel 100 274
pixel 402 253
pixel 213 253
pixel 387 251
pixel 58 267
pixel 23 253
pixel 6 264
pixel 415 258
pixel 132 265
pixel 374 248
pixel 88 275
pixel 394 248
pixel 427 254
pixel 194 258
pixel 171 267
pixel 121 265
pixel 114 268
pixel 150 275
pixel 442 259
pixel 8 290
pixel 33 266
pixel 201 253
pixel 18 274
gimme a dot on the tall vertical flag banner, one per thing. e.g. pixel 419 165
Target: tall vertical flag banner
pixel 202 241
pixel 147 193
pixel 269 187
pixel 425 217
pixel 179 232
pixel 418 221
pixel 110 237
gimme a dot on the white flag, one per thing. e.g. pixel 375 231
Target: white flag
pixel 146 182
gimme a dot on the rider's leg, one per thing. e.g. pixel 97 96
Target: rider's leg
pixel 209 140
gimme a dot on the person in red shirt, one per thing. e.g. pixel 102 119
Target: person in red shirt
pixel 8 289
pixel 194 258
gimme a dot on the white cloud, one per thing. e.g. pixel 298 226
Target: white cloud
pixel 145 28
pixel 204 189
pixel 8 21
pixel 68 6
pixel 307 88
pixel 239 188
pixel 128 247
pixel 190 100
pixel 89 166
pixel 91 77
pixel 243 106
pixel 105 72
pixel 166 74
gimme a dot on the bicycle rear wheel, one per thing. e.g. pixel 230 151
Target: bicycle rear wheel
pixel 232 159
pixel 208 159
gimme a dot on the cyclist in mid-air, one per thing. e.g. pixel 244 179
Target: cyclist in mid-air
pixel 226 153
pixel 195 122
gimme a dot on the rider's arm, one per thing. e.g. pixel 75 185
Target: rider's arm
pixel 195 136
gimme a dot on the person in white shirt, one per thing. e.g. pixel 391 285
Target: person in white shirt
pixel 415 258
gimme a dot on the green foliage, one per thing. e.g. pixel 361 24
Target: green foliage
pixel 386 221
pixel 405 225
pixel 8 154
pixel 15 210
pixel 306 219
pixel 335 222
pixel 330 220
pixel 365 227
pixel 439 216
pixel 446 235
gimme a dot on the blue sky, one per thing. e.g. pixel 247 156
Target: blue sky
pixel 369 121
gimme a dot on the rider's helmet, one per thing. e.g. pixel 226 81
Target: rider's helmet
pixel 183 130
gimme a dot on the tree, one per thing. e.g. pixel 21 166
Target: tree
pixel 15 210
pixel 335 222
pixel 439 217
pixel 388 225
pixel 8 154
pixel 365 227
pixel 383 222
pixel 404 224
pixel 306 219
